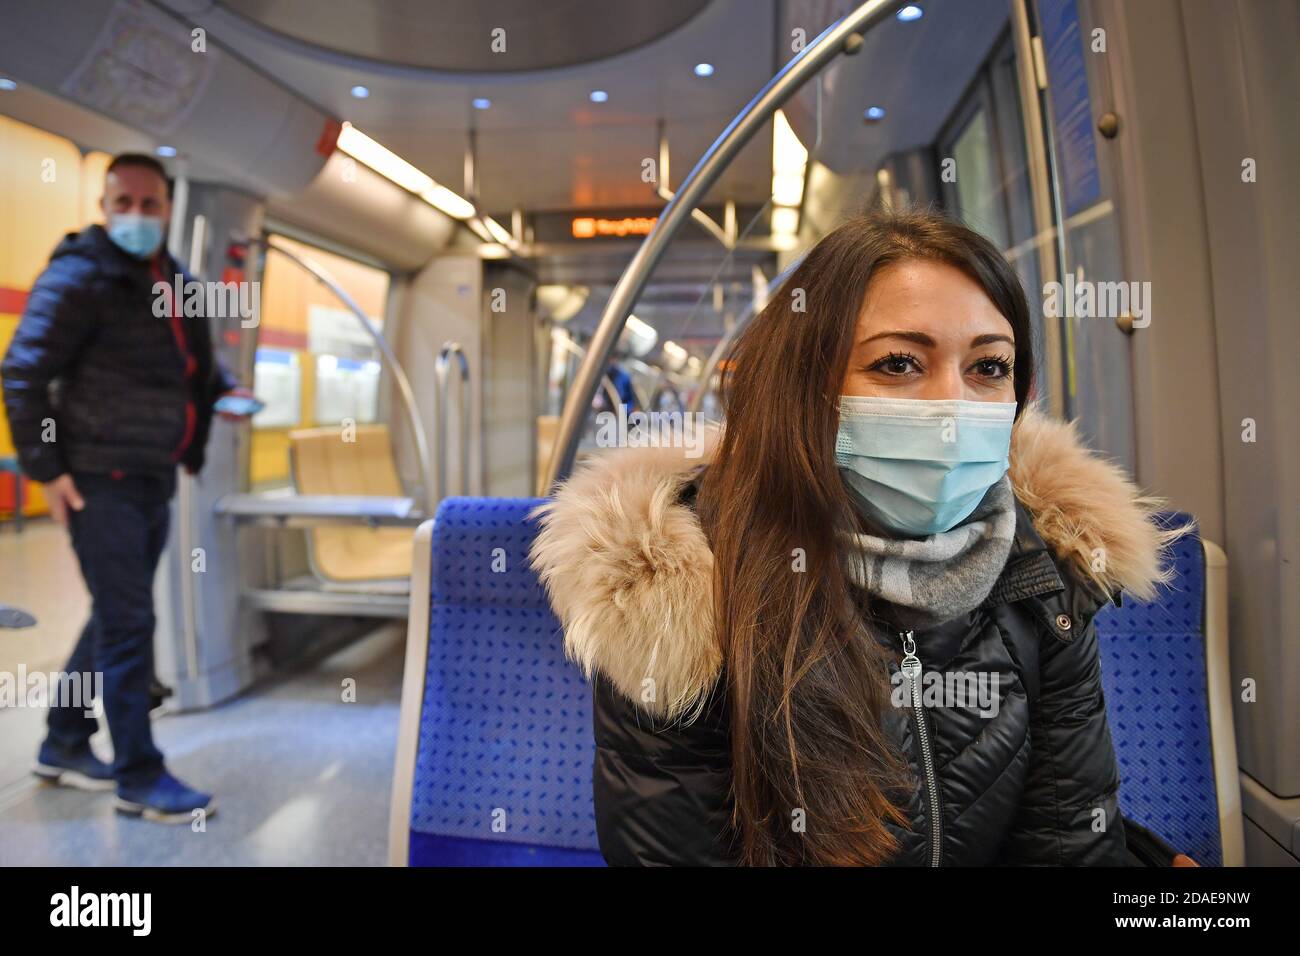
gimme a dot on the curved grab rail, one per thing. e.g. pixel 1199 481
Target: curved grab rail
pixel 844 35
pixel 404 389
pixel 440 371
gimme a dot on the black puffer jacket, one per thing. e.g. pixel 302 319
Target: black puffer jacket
pixel 132 392
pixel 1032 780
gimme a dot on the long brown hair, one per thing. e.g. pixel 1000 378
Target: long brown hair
pixel 806 688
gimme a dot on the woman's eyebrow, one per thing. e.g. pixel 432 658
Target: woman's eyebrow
pixel 919 337
pixel 922 339
pixel 991 337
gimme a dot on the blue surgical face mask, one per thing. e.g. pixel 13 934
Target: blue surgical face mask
pixel 136 234
pixel 921 466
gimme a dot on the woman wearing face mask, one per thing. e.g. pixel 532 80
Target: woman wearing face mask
pixel 861 631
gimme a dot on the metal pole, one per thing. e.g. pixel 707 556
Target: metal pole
pixel 440 371
pixel 184 484
pixel 785 84
pixel 611 392
pixel 413 418
pixel 730 335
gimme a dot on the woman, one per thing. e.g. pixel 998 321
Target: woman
pixel 859 630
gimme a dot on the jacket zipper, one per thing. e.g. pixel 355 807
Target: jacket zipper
pixel 911 667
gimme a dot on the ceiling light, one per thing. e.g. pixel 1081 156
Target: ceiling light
pixel 787 189
pixel 360 92
pixel 382 160
pixel 599 96
pixel 676 356
pixel 910 12
pixel 637 337
pixel 789 161
pixel 788 154
pixel 444 200
pixel 388 164
pixel 7 84
pixel 482 103
pixel 497 231
pixel 703 69
pixel 874 113
pixel 560 303
pixel 785 220
pixel 166 151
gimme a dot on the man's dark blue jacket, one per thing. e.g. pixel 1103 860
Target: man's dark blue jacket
pixel 126 390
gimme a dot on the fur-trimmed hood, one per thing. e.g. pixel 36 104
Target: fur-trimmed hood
pixel 630 573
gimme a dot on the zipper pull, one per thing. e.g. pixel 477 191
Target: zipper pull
pixel 911 665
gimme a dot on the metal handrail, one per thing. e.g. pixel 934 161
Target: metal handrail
pixel 615 399
pixel 845 35
pixel 728 337
pixel 655 374
pixel 407 394
pixel 440 371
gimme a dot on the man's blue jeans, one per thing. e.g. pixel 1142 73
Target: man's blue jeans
pixel 118 537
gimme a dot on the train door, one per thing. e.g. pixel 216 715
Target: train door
pixel 1017 160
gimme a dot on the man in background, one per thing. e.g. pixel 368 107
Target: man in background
pixel 105 398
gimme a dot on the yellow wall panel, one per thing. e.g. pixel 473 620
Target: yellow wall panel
pixel 40 199
pixel 47 190
pixel 93 168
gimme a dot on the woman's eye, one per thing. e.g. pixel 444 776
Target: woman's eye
pixel 894 365
pixel 993 368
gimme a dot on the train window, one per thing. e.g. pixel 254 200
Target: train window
pixel 984 136
pixel 1097 379
pixel 315 363
pixel 977 194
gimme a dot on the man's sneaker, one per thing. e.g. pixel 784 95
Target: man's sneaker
pixel 83 770
pixel 163 800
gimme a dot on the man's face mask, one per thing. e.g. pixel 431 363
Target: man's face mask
pixel 136 234
pixel 921 466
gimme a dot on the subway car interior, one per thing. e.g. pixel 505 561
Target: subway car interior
pixel 442 246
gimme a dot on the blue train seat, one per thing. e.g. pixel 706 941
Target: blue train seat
pixel 495 746
pixel 1166 680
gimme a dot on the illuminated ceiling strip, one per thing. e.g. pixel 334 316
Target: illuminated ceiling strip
pixel 789 163
pixel 392 167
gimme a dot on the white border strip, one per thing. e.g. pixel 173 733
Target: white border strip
pixel 408 727
pixel 1218 677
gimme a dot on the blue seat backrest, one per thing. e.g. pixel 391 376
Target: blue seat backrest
pixel 1153 664
pixel 503 769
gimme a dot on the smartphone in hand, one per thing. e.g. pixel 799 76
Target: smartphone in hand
pixel 242 405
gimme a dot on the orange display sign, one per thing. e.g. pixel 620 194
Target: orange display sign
pixel 590 227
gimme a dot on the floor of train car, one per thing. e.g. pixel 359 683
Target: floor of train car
pixel 300 777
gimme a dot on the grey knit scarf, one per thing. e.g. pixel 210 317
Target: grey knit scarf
pixel 927 581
